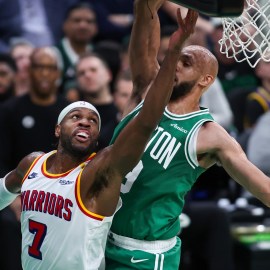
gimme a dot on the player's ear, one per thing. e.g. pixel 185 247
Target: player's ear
pixel 206 80
pixel 57 131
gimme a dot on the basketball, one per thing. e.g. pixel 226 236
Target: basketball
pixel 214 8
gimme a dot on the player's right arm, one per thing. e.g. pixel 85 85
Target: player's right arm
pixel 10 185
pixel 143 48
pixel 219 145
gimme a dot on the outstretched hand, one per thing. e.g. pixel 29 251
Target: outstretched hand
pixel 186 27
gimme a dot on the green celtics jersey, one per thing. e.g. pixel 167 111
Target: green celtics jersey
pixel 153 192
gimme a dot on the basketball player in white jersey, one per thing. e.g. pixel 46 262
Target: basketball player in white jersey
pixel 70 195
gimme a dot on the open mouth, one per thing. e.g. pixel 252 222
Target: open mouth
pixel 82 136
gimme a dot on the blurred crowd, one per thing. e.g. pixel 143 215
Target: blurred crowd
pixel 58 51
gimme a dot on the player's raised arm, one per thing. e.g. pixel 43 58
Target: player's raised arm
pixel 131 142
pixel 143 47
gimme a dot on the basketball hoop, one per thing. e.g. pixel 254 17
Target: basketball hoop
pixel 248 37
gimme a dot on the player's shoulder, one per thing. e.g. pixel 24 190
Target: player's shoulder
pixel 210 126
pixel 214 134
pixel 28 160
pixel 212 131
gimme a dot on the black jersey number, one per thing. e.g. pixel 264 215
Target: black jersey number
pixel 40 231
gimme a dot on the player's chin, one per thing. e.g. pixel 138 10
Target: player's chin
pixel 86 146
pixel 81 146
pixel 81 150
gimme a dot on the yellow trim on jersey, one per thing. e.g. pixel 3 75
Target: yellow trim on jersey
pixel 80 199
pixel 82 165
pixel 31 167
pixel 53 175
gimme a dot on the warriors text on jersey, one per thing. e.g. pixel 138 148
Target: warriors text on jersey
pixel 153 192
pixel 58 232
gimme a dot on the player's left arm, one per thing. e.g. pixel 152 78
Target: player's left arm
pixel 113 163
pixel 10 185
pixel 231 156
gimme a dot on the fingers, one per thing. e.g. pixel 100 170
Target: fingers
pixel 188 23
pixel 179 19
pixel 191 17
pixel 194 17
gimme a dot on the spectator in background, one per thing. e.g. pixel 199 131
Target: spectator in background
pixel 122 92
pixel 258 144
pixel 114 18
pixel 80 28
pixel 124 54
pixel 258 102
pixel 10 23
pixel 27 121
pixel 218 104
pixel 93 81
pixel 111 53
pixel 251 103
pixel 8 70
pixel 20 51
pixel 38 21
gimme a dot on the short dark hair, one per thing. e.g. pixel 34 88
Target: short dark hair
pixel 92 55
pixel 7 59
pixel 80 5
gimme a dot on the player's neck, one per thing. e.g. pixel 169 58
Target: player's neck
pixel 183 106
pixel 59 163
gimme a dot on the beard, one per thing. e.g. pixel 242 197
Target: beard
pixel 182 89
pixel 78 152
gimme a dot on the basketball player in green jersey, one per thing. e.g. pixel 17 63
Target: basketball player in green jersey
pixel 185 143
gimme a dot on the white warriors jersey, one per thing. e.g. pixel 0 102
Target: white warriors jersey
pixel 58 232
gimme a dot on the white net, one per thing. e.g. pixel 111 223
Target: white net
pixel 248 37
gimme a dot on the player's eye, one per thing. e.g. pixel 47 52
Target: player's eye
pixel 186 64
pixel 75 116
pixel 94 120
